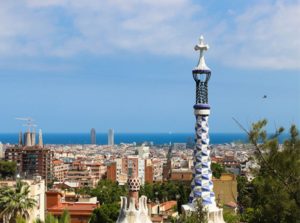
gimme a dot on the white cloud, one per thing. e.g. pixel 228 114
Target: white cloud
pixel 266 35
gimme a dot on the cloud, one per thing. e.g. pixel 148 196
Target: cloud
pixel 265 35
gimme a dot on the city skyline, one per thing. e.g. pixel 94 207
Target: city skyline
pixel 138 74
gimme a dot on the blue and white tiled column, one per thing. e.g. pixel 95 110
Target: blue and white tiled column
pixel 202 186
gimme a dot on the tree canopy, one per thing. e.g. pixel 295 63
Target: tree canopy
pixel 7 169
pixel 274 194
pixel 217 170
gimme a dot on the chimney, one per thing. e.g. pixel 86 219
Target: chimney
pixel 53 198
pixel 134 188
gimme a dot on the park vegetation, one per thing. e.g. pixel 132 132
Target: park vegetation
pixel 274 193
pixel 7 169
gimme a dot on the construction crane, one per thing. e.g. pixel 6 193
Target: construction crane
pixel 29 122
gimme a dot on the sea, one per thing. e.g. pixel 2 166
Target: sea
pixel 138 138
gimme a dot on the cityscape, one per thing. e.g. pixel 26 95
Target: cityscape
pixel 96 129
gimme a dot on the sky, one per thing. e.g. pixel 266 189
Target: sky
pixel 73 65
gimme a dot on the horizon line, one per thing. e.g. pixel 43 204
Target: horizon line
pixel 169 133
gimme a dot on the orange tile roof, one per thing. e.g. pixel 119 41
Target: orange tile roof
pixel 73 208
pixel 57 162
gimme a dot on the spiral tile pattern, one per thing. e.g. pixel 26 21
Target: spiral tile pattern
pixel 202 185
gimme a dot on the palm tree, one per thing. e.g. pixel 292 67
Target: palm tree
pixel 65 217
pixel 20 220
pixel 15 202
pixel 50 219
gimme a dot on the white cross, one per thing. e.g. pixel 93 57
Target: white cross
pixel 201 47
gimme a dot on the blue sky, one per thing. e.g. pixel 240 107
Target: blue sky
pixel 73 65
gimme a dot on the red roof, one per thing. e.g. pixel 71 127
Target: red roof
pixel 75 208
pixel 57 162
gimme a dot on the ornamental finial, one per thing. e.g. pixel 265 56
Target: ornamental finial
pixel 201 63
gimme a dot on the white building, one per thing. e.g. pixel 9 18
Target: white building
pixel 141 171
pixel 143 151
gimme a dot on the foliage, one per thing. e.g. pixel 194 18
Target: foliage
pixel 183 196
pixel 65 217
pixel 107 192
pixel 15 202
pixel 230 216
pixel 106 213
pixel 274 194
pixel 7 169
pixel 38 221
pixel 19 219
pixel 50 219
pixel 217 170
pixel 166 191
pixel 245 189
pixel 198 216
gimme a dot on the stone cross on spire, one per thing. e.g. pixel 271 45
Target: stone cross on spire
pixel 201 47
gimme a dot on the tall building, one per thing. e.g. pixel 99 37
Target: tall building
pixel 112 172
pixel 148 171
pixel 59 170
pixel 93 136
pixel 41 144
pixel 31 160
pixel 135 164
pixel 202 186
pixel 20 141
pixel 111 137
pixel 83 174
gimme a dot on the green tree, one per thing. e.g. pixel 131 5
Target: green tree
pixel 217 170
pixel 16 202
pixel 244 192
pixel 147 190
pixel 106 213
pixel 183 197
pixel 7 169
pixel 107 192
pixel 275 195
pixel 230 216
pixel 166 191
